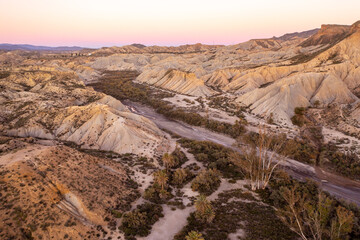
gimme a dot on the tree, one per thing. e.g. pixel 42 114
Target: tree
pixel 342 225
pixel 317 216
pixel 204 211
pixel 294 210
pixel 161 179
pixel 194 235
pixel 260 160
pixel 311 218
pixel 168 160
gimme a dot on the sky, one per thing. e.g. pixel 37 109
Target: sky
pixel 100 23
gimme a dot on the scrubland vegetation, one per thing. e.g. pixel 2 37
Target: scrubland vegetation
pixel 301 206
pixel 311 213
pixel 120 86
pixel 225 104
pixel 310 148
pixel 233 210
pixel 138 222
pixel 287 209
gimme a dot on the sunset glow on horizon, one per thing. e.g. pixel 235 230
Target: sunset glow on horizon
pixel 91 23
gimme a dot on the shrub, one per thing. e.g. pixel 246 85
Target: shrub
pixel 179 157
pixel 168 160
pixel 213 156
pixel 194 235
pixel 139 221
pixel 179 176
pixel 299 110
pixel 116 214
pixel 206 182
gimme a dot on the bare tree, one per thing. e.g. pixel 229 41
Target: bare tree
pixel 261 160
pixel 294 210
pixel 318 216
pixel 311 220
pixel 342 224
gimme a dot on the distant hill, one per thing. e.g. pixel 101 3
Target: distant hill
pixel 304 34
pixel 138 45
pixel 27 47
pixel 140 48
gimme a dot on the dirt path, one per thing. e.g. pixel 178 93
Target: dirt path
pixel 168 226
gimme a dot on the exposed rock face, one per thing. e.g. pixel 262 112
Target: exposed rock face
pixel 333 76
pixel 178 81
pixel 58 106
pixel 305 34
pixel 281 97
pixel 328 34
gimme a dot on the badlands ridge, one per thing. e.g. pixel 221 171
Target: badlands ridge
pixel 74 148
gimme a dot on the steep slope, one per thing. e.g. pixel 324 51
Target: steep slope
pixel 301 90
pixel 177 81
pixel 328 34
pixel 56 192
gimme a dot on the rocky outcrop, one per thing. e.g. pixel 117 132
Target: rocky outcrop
pixel 328 34
pixel 177 81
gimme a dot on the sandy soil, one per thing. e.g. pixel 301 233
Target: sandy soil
pixel 170 224
pixel 334 136
pixel 179 100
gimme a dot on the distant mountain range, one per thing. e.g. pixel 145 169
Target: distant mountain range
pixel 27 47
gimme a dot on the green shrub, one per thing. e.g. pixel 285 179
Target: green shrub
pixel 116 214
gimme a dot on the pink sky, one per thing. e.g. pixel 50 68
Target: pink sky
pixel 98 23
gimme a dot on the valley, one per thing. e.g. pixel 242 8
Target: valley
pixel 154 142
